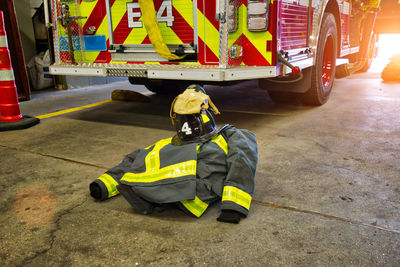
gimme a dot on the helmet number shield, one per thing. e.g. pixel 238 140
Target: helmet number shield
pixel 186 129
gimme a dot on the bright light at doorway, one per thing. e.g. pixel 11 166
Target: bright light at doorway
pixel 388 45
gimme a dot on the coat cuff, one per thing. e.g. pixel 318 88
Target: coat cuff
pixel 236 199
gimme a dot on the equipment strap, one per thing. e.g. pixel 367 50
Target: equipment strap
pixel 195 206
pixel 153 30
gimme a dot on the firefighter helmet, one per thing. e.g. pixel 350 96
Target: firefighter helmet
pixel 192 114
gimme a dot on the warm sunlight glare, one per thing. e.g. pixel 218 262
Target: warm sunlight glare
pixel 388 45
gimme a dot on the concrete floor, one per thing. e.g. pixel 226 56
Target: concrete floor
pixel 327 183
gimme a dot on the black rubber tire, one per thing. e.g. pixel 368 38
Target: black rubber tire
pixel 166 87
pixel 319 93
pixel 156 86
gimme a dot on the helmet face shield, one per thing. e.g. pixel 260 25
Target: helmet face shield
pixel 194 127
pixel 188 126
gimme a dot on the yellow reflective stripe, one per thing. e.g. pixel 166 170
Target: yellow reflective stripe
pixel 198 149
pixel 189 63
pixel 206 28
pixel 195 206
pixel 205 118
pixel 149 146
pixel 237 196
pixel 152 159
pixel 258 39
pixel 220 141
pixel 185 9
pixel 103 28
pixel 371 4
pixel 118 10
pixel 153 30
pixel 110 184
pixel 169 35
pixel 136 36
pixel 86 9
pixel 90 56
pixel 169 172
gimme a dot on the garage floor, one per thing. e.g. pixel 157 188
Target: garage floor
pixel 327 183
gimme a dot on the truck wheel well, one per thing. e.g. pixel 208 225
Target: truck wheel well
pixel 333 8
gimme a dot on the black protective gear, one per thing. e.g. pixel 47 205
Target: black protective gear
pixel 191 176
pixel 104 187
pixel 137 202
pixel 95 191
pixel 229 216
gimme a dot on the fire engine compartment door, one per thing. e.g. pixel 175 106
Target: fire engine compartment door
pixel 128 37
pixel 68 37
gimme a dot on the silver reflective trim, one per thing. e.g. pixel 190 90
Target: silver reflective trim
pixel 79 71
pixel 195 30
pixel 3 41
pixel 6 75
pixel 109 22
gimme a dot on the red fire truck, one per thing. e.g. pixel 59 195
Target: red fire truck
pixel 291 46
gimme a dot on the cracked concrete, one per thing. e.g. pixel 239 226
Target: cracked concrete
pixel 327 188
pixel 52 234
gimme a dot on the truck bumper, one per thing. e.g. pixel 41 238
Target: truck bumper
pixel 166 72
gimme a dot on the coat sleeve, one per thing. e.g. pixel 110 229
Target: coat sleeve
pixel 105 186
pixel 241 162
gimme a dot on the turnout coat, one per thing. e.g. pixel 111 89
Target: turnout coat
pixel 191 175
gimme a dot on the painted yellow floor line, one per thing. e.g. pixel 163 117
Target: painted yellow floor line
pixel 253 112
pixel 61 112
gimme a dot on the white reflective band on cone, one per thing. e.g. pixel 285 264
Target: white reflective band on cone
pixel 3 41
pixel 6 75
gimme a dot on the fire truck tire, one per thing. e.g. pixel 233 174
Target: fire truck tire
pixel 156 86
pixel 165 87
pixel 323 73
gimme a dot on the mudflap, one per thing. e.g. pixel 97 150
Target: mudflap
pixel 288 83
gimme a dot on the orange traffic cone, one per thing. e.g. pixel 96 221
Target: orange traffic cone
pixel 10 115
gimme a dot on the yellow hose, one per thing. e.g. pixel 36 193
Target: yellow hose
pixel 153 30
